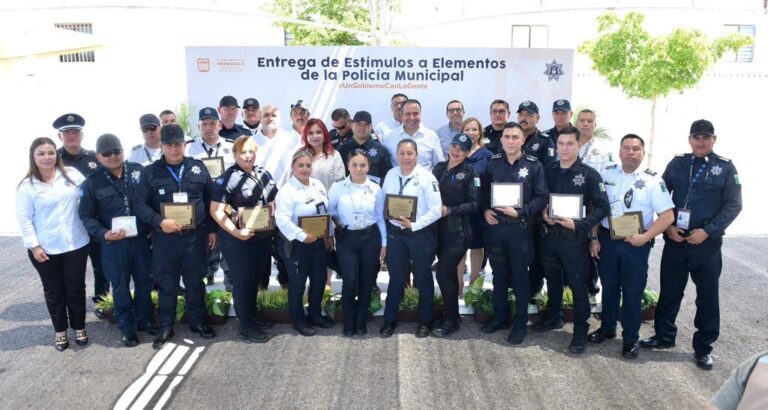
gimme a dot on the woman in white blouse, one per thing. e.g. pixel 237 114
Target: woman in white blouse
pixel 304 253
pixel 47 201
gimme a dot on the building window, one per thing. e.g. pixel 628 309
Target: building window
pixel 83 56
pixel 745 54
pixel 530 36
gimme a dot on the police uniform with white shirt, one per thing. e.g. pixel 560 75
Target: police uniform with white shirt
pixel 84 162
pixel 104 198
pixel 430 152
pixel 303 260
pixel 142 154
pixel 176 255
pixel 417 245
pixel 623 266
pixel 360 235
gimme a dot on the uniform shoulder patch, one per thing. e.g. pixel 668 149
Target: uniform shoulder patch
pixel 497 156
pixel 679 155
pixel 531 158
pixel 723 158
pixel 544 134
pixel 612 166
pixel 651 172
pixel 137 147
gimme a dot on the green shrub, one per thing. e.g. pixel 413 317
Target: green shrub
pixel 106 303
pixel 217 302
pixel 273 299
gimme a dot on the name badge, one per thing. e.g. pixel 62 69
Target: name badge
pixel 180 197
pixel 683 219
pixel 616 210
pixel 358 219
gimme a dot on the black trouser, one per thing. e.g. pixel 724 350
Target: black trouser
pixel 63 278
pixel 282 271
pixel 452 246
pixel 100 283
pixel 404 247
pixel 246 262
pixel 510 250
pixel 704 263
pixel 536 269
pixel 124 260
pixel 565 252
pixel 358 255
pixel 305 261
pixel 177 256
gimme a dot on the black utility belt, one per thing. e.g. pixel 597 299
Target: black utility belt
pixel 365 231
pixel 508 220
pixel 395 230
pixel 558 230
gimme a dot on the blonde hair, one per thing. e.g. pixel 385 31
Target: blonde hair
pixel 241 142
pixel 300 154
pixel 479 127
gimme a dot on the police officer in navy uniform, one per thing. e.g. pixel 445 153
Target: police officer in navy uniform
pixel 409 241
pixel 565 240
pixel 624 262
pixel 362 138
pixel 459 190
pixel 341 129
pixel 228 110
pixel 561 116
pixel 251 115
pixel 178 252
pixel 244 185
pixel 499 112
pixel 70 127
pixel 107 194
pixel 509 240
pixel 706 191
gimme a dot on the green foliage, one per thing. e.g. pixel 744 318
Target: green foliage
pixel 181 308
pixel 567 298
pixel 182 118
pixel 474 292
pixel 375 304
pixel 106 303
pixel 650 298
pixel 647 66
pixel 323 22
pixel 155 296
pixel 541 299
pixel 217 302
pixel 411 299
pixel 332 302
pixel 273 299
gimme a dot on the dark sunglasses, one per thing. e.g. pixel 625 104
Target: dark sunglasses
pixel 111 152
pixel 149 128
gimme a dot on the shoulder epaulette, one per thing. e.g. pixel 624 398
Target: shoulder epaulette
pixel 650 172
pixel 612 166
pixel 680 155
pixel 497 156
pixel 723 158
pixel 531 158
pixel 188 142
pixel 544 134
pixel 136 147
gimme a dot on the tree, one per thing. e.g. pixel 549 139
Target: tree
pixel 650 67
pixel 331 22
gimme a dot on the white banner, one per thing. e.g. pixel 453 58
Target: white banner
pixel 365 78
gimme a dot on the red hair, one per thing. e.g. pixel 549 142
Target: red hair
pixel 327 146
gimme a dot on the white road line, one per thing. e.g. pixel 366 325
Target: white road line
pixel 135 388
pixel 167 395
pixel 191 361
pixel 149 392
pixel 174 360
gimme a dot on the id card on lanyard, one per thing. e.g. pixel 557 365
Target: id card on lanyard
pixel 683 220
pixel 178 197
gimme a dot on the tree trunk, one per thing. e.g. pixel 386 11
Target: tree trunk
pixel 653 131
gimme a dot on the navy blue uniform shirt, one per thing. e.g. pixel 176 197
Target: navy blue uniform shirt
pixel 459 188
pixel 541 146
pixel 527 170
pixel 381 163
pixel 85 161
pixel 583 180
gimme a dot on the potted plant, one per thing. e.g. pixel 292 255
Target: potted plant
pixel 648 303
pixel 217 304
pixel 409 306
pixel 273 306
pixel 568 304
pixel 181 309
pixel 155 297
pixel 333 308
pixel 480 300
pixel 106 304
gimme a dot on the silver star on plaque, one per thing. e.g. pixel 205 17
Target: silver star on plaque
pixel 195 169
pixel 92 165
pixel 578 180
pixel 716 170
pixel 523 172
pixel 460 176
pixel 639 184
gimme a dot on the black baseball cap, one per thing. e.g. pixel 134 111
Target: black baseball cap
pixel 251 103
pixel 228 101
pixel 702 127
pixel 529 106
pixel 171 133
pixel 208 112
pixel 149 119
pixel 107 142
pixel 364 116
pixel 463 141
pixel 561 105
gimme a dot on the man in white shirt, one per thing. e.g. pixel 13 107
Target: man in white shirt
pixel 591 152
pixel 427 141
pixel 385 127
pixel 149 152
pixel 276 145
pixel 455 112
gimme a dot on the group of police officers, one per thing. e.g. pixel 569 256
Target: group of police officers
pixel 691 203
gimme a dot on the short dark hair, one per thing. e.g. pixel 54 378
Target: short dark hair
pixel 410 101
pixel 408 141
pixel 586 111
pixel 570 130
pixel 513 124
pixel 166 112
pixel 358 151
pixel 339 113
pixel 398 95
pixel 635 136
pixel 454 101
pixel 498 101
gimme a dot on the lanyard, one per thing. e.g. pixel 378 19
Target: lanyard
pixel 149 155
pixel 177 178
pixel 357 207
pixel 403 184
pixel 124 191
pixel 692 178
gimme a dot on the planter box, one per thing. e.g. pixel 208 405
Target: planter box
pixel 650 313
pixel 216 320
pixel 110 316
pixel 338 316
pixel 413 315
pixel 275 316
pixel 568 315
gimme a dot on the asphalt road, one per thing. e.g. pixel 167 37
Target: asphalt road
pixel 469 370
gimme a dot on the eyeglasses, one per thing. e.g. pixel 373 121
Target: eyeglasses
pixel 340 127
pixel 455 110
pixel 111 152
pixel 149 128
pixel 498 112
